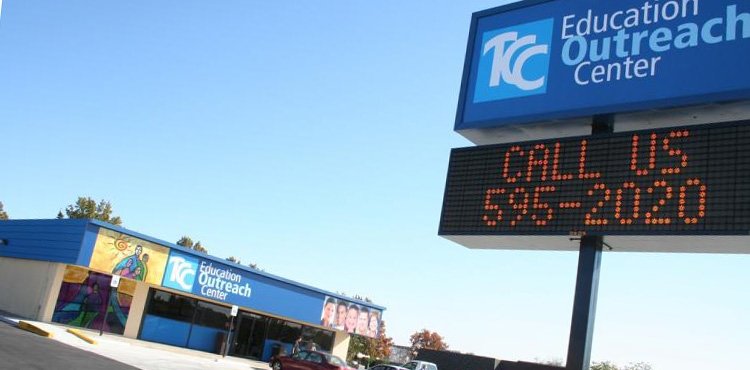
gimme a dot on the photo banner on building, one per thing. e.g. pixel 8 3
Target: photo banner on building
pixel 120 254
pixel 353 318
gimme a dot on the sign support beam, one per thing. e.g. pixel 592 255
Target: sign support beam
pixel 587 282
pixel 584 304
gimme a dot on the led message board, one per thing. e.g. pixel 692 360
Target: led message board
pixel 540 60
pixel 691 180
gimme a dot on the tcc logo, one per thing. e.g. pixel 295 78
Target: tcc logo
pixel 180 272
pixel 514 61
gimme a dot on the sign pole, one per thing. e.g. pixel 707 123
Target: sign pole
pixel 229 335
pixel 587 282
pixel 106 312
pixel 113 284
pixel 234 312
pixel 584 304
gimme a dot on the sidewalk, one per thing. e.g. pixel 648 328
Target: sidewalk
pixel 137 353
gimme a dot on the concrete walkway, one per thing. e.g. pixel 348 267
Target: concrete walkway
pixel 137 353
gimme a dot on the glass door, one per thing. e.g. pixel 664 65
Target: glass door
pixel 249 335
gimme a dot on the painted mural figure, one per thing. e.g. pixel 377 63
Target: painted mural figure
pixel 91 306
pixel 133 266
pixel 143 266
pixel 84 308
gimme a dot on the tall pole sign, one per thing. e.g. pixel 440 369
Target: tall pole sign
pixel 681 186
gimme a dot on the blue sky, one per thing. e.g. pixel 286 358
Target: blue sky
pixel 312 137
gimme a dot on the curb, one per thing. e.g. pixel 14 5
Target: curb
pixel 34 329
pixel 82 336
pixel 8 321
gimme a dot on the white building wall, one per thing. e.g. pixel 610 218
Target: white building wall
pixel 29 288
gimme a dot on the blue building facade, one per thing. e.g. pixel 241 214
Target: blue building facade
pixel 167 293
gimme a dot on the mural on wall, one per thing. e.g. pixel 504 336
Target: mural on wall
pixel 350 317
pixel 129 257
pixel 85 296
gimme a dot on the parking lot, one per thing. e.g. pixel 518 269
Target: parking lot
pixel 20 349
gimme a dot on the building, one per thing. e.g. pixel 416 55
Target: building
pixel 62 271
pixel 452 360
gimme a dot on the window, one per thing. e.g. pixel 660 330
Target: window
pixel 171 306
pixel 322 338
pixel 212 316
pixel 314 357
pixel 283 331
pixel 333 360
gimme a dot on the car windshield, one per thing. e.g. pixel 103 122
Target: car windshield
pixel 333 360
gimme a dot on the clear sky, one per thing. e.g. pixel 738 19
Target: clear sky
pixel 312 137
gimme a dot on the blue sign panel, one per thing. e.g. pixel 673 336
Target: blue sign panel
pixel 221 282
pixel 551 59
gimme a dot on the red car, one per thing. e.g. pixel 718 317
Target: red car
pixel 308 360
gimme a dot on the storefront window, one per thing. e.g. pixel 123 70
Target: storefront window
pixel 171 306
pixel 186 322
pixel 284 331
pixel 212 316
pixel 323 339
pixel 192 323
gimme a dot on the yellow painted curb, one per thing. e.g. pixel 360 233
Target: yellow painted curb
pixel 34 329
pixel 83 337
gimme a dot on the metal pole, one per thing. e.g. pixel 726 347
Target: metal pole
pixel 106 310
pixel 584 305
pixel 229 335
pixel 587 282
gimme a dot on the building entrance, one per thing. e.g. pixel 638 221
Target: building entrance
pixel 250 335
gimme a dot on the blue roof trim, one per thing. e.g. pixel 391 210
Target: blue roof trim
pixel 87 245
pixel 43 240
pixel 223 261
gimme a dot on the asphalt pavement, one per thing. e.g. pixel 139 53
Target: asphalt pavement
pixel 20 349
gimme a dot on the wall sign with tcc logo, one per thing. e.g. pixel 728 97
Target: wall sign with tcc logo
pixel 514 61
pixel 542 60
pixel 181 272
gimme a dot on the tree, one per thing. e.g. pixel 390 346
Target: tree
pixel 88 208
pixel 233 259
pixel 187 242
pixel 254 266
pixel 3 214
pixel 606 365
pixel 60 215
pixel 427 339
pixel 638 366
pixel 377 349
pixel 362 298
pixel 357 344
pixel 380 347
pixel 198 247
